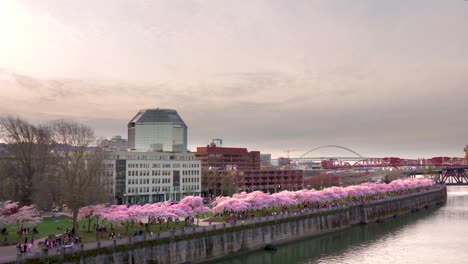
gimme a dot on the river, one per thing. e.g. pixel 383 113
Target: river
pixel 436 235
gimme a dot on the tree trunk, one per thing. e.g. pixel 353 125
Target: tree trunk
pixel 89 224
pixel 75 220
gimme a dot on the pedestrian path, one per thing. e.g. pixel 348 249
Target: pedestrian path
pixel 10 253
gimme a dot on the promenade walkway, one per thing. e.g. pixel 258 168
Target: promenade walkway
pixel 10 253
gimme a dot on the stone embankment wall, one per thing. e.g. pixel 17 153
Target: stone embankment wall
pixel 207 243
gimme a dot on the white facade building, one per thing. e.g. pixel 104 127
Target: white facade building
pixel 116 143
pixel 147 177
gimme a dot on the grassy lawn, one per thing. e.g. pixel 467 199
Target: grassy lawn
pixel 59 224
pixel 48 226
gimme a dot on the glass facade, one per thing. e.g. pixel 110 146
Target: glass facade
pixel 157 130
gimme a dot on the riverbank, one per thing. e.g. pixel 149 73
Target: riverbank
pixel 205 243
pixel 438 234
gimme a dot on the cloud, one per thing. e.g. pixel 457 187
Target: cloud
pixel 381 78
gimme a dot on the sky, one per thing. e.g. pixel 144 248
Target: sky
pixel 384 78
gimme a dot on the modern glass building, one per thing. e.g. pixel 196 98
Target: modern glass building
pixel 157 130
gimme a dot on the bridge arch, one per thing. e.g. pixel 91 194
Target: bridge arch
pixel 332 146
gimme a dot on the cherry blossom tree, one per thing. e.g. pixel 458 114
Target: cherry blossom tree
pixel 12 214
pixel 336 195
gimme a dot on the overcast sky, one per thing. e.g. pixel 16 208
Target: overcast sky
pixel 384 78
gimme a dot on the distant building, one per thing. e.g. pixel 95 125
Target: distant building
pixel 283 161
pixel 270 180
pixel 466 155
pixel 157 130
pixel 226 182
pixel 116 143
pixel 146 177
pixel 265 160
pixel 218 142
pixel 212 157
pixel 230 170
pixel 318 180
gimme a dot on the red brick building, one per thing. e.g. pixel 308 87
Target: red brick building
pixel 228 182
pixel 222 158
pixel 269 180
pixel 230 170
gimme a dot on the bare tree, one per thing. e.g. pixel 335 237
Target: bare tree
pixel 79 165
pixel 8 179
pixel 220 182
pixel 228 184
pixel 29 147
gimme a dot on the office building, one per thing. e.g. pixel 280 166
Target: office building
pixel 214 157
pixel 146 177
pixel 157 130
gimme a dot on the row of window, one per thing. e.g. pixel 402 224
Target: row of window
pixel 107 173
pixel 108 165
pixel 152 157
pixel 163 173
pixel 161 189
pixel 147 189
pixel 147 173
pixel 158 165
pixel 190 188
pixel 187 180
pixel 159 181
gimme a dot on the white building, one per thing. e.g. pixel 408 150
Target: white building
pixel 147 177
pixel 116 143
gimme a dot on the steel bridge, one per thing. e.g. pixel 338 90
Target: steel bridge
pixel 457 175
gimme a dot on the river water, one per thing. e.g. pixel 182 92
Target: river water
pixel 436 235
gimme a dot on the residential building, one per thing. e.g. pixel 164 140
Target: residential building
pixel 146 177
pixel 157 130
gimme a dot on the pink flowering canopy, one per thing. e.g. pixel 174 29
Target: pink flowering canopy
pixel 188 206
pixel 258 200
pixel 240 202
pixel 12 214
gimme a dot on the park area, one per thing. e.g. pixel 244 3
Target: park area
pixel 62 224
pixel 19 224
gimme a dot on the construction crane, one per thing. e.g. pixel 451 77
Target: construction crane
pixel 288 151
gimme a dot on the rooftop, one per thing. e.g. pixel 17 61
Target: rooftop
pixel 157 115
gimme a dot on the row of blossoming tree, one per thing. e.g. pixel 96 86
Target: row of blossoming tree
pixel 248 202
pixel 122 214
pixel 332 196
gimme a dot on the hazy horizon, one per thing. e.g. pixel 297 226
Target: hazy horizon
pixel 384 78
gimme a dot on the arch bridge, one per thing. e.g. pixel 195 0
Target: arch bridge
pixel 359 161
